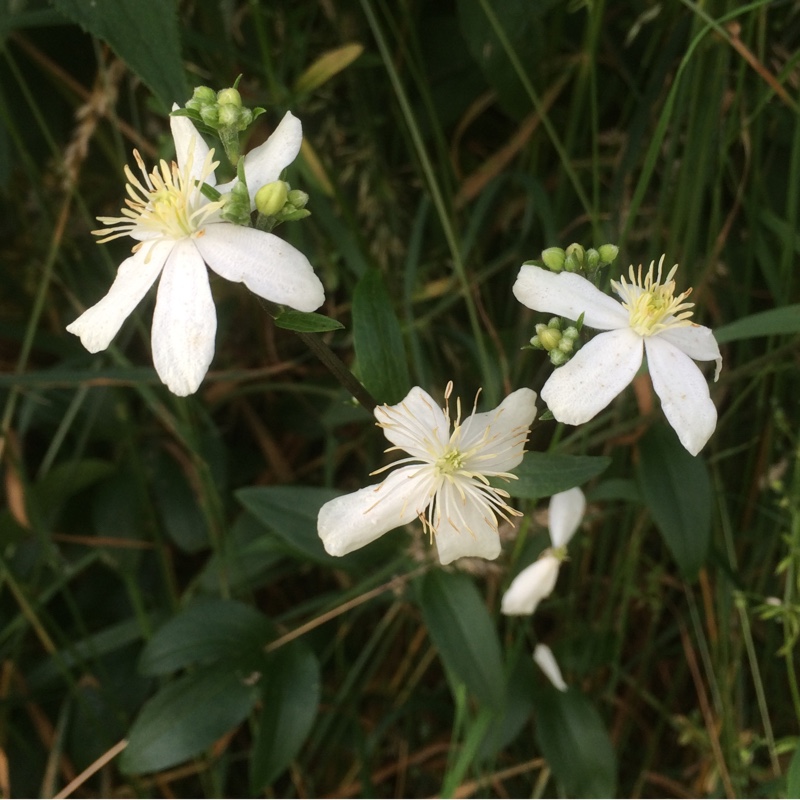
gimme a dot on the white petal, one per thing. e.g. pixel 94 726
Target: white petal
pixel 354 520
pixel 268 266
pixel 98 325
pixel 265 163
pixel 471 536
pixel 188 141
pixel 598 372
pixel 697 342
pixel 501 433
pixel 683 391
pixel 184 321
pixel 566 513
pixel 416 424
pixel 546 661
pixel 531 586
pixel 568 295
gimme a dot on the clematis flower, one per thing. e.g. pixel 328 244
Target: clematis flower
pixel 544 658
pixel 650 319
pixel 538 580
pixel 179 232
pixel 443 480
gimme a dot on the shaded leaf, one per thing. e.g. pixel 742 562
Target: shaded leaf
pixel 793 775
pixel 306 322
pixel 328 65
pixel 464 634
pixel 774 322
pixel 545 474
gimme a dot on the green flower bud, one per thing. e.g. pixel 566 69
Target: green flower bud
pixel 608 252
pixel 554 322
pixel 228 116
pixel 293 216
pixel 572 263
pixel 571 333
pixel 245 118
pixel 549 338
pixel 201 96
pixel 536 343
pixel 566 346
pixel 237 205
pixel 271 198
pixel 229 97
pixel 557 357
pixel 297 198
pixel 553 258
pixel 210 115
pixel 592 259
pixel 576 250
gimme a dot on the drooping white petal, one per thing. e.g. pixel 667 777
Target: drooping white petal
pixel 697 342
pixel 349 522
pixel 544 658
pixel 501 434
pixel 566 513
pixel 599 371
pixel 189 141
pixel 568 295
pixel 465 531
pixel 98 325
pixel 684 393
pixel 184 321
pixel 416 424
pixel 267 265
pixel 531 586
pixel 265 163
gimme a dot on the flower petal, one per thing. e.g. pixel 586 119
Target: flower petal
pixel 544 658
pixel 471 535
pixel 568 295
pixel 184 321
pixel 599 371
pixel 416 424
pixel 354 520
pixel 98 325
pixel 189 142
pixel 566 513
pixel 684 393
pixel 531 586
pixel 268 266
pixel 697 342
pixel 500 434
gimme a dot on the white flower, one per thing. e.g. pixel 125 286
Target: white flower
pixel 544 657
pixel 179 231
pixel 443 481
pixel 650 319
pixel 538 580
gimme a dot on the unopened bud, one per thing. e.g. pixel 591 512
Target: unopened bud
pixel 297 198
pixel 608 252
pixel 228 116
pixel 592 259
pixel 271 198
pixel 549 338
pixel 210 115
pixel 229 97
pixel 553 258
pixel 558 358
pixel 572 263
pixel 201 96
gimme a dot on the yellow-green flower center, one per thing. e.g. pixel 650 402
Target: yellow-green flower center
pixel 166 204
pixel 451 461
pixel 652 304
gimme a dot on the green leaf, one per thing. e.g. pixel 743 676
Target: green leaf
pixel 207 631
pixel 187 716
pixel 290 699
pixel 378 340
pixel 306 322
pixel 545 474
pixel 774 322
pixel 793 775
pixel 676 488
pixel 573 739
pixel 143 33
pixel 64 481
pixel 464 634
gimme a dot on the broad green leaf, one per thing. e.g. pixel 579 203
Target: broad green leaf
pixel 207 631
pixel 306 322
pixel 793 775
pixel 677 490
pixel 62 482
pixel 573 739
pixel 143 33
pixel 290 698
pixel 378 340
pixel 545 474
pixel 464 634
pixel 776 321
pixel 187 716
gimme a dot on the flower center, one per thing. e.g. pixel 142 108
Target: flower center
pixel 651 304
pixel 449 462
pixel 166 204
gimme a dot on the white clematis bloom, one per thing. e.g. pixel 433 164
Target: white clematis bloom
pixel 650 319
pixel 443 481
pixel 538 580
pixel 180 232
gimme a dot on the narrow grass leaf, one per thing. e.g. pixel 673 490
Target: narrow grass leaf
pixel 186 717
pixel 328 65
pixel 290 698
pixel 544 474
pixel 209 630
pixel 306 322
pixel 793 775
pixel 775 322
pixel 677 490
pixel 573 739
pixel 378 340
pixel 463 632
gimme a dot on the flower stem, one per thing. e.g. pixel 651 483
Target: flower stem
pixel 339 370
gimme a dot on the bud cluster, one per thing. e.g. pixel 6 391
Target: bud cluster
pixel 577 259
pixel 277 202
pixel 559 344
